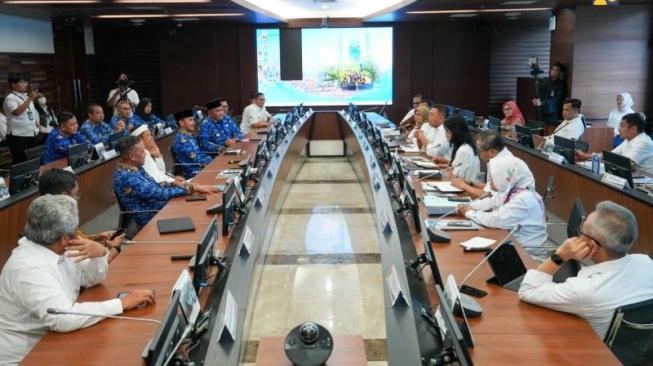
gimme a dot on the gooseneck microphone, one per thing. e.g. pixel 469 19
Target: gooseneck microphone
pixel 66 312
pixel 466 305
pixel 440 236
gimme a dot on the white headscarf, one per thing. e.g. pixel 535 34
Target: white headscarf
pixel 627 104
pixel 511 175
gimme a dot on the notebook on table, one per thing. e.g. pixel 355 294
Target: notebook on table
pixel 176 225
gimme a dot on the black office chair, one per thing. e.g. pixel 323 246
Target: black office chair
pixel 630 336
pixel 583 146
pixel 127 219
pixel 176 168
pixel 576 218
pixel 536 126
pixel 35 153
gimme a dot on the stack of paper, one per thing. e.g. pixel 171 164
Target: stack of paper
pixel 478 242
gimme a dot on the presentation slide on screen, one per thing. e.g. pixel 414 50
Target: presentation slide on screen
pixel 340 65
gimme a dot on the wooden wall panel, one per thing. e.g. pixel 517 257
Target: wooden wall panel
pixel 612 54
pixel 38 67
pixel 513 42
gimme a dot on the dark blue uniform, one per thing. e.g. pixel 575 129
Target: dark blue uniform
pixel 138 120
pixel 188 152
pixel 96 133
pixel 213 134
pixel 57 144
pixel 137 191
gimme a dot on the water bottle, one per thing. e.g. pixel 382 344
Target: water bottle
pixel 596 163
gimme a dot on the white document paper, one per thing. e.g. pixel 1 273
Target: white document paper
pixel 478 242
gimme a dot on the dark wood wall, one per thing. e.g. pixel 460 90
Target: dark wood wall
pixel 613 54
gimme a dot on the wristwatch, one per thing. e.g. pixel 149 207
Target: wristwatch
pixel 556 259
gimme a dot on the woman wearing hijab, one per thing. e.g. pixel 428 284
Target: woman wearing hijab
pixel 512 117
pixel 143 114
pixel 464 157
pixel 624 107
pixel 516 202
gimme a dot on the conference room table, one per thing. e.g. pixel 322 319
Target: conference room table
pixel 95 182
pixel 509 332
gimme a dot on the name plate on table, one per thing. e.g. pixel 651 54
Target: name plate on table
pixel 385 222
pixel 372 161
pixel 229 318
pixel 109 154
pixel 246 242
pixel 614 181
pixel 260 197
pixel 394 288
pixel 168 130
pixel 556 158
pixel 69 168
pixel 376 183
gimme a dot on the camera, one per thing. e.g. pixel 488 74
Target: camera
pixel 535 69
pixel 125 83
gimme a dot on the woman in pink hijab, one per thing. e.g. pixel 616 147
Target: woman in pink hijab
pixel 512 117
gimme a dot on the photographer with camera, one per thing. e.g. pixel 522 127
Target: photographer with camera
pixel 123 92
pixel 552 92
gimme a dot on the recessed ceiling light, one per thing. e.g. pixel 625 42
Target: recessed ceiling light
pixel 513 18
pixel 512 14
pixel 137 21
pixel 519 2
pixel 186 19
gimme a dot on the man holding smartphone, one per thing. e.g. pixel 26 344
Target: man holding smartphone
pixel 22 121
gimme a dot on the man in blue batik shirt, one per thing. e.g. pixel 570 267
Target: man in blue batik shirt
pixel 219 130
pixel 94 129
pixel 186 148
pixel 59 140
pixel 135 189
pixel 122 121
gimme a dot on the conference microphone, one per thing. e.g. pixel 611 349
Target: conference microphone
pixel 440 236
pixel 465 305
pixel 382 109
pixel 66 312
pixel 370 109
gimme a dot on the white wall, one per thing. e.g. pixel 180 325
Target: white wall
pixel 25 35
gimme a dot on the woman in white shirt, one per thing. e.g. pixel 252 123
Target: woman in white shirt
pixel 464 157
pixel 624 107
pixel 516 202
pixel 421 118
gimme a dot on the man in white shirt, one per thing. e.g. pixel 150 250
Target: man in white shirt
pixel 434 140
pixel 42 274
pixel 123 92
pixel 3 126
pixel 617 278
pixel 254 115
pixel 637 145
pixel 22 121
pixel 489 145
pixel 417 99
pixel 572 127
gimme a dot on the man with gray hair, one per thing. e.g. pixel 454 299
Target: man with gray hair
pixel 617 278
pixel 42 273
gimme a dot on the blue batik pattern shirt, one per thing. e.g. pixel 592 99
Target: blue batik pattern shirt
pixel 213 134
pixel 129 121
pixel 188 152
pixel 96 133
pixel 137 191
pixel 57 144
pixel 138 120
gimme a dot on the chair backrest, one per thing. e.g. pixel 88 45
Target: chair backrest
pixel 630 336
pixel 176 169
pixel 126 220
pixel 536 126
pixel 35 153
pixel 583 146
pixel 576 218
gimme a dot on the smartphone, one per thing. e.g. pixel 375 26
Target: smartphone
pixel 472 291
pixel 196 198
pixel 117 233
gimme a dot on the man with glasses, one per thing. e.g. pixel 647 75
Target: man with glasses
pixel 616 278
pixel 255 115
pixel 22 118
pixel 122 120
pixel 489 145
pixel 58 181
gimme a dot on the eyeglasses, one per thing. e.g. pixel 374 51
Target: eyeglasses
pixel 580 233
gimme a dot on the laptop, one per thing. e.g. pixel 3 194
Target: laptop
pixel 177 225
pixel 437 206
pixel 507 266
